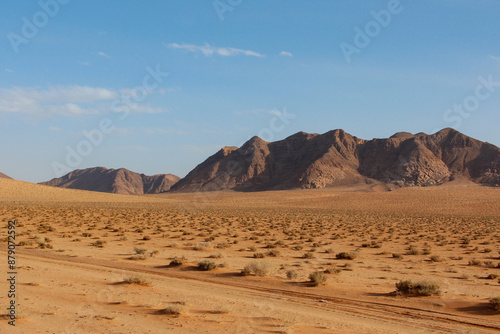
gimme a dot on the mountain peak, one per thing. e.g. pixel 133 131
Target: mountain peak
pixel 305 160
pixel 120 181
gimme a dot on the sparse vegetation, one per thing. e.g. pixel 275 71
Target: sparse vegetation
pixel 137 280
pixel 259 268
pixel 317 278
pixel 207 265
pixel 410 288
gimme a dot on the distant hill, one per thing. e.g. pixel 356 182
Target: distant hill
pixel 119 181
pixel 3 176
pixel 335 158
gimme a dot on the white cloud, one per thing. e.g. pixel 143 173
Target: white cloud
pixel 84 63
pixel 55 129
pixel 286 54
pixel 209 50
pixel 9 70
pixel 102 54
pixel 274 112
pixel 495 58
pixel 68 101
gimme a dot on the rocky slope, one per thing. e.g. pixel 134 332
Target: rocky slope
pixel 119 181
pixel 3 176
pixel 337 158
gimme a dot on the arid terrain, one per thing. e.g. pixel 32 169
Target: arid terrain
pixel 235 262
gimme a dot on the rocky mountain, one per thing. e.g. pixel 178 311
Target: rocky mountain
pixel 3 176
pixel 119 181
pixel 337 158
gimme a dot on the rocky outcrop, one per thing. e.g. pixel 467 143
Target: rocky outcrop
pixel 337 158
pixel 119 181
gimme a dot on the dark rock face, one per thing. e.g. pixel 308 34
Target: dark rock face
pixel 336 158
pixel 119 181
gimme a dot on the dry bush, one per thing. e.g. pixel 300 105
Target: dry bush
pixel 495 303
pixel 317 278
pixel 259 255
pixel 346 256
pixel 137 280
pixel 436 258
pixel 412 250
pixel 475 262
pixel 140 251
pixel 410 288
pixel 176 309
pixel 206 265
pixel 177 261
pixel 292 274
pixel 259 268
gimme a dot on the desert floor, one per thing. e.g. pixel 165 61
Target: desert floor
pixel 101 263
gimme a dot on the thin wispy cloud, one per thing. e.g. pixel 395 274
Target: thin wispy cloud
pixel 273 112
pixel 495 58
pixel 9 70
pixel 286 54
pixel 55 129
pixel 84 63
pixel 209 50
pixel 65 101
pixel 102 54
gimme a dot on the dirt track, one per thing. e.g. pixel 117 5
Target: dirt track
pixel 415 320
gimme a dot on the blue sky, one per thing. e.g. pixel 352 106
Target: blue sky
pixel 268 68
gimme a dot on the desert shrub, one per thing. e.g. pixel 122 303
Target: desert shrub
pixel 138 250
pixel 252 249
pixel 177 261
pixel 475 262
pixel 98 243
pixel 397 256
pixel 146 238
pixel 274 253
pixel 436 258
pixel 492 276
pixel 317 278
pixel 412 250
pixel 259 268
pixel 222 245
pixel 332 270
pixel 137 257
pixel 217 256
pixel 202 246
pixel 489 264
pixel 495 303
pixel 259 255
pixel 206 265
pixel 346 256
pixel 308 255
pixel 292 274
pixel 137 280
pixel 417 288
pixel 176 309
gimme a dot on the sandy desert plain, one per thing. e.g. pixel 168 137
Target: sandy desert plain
pixel 229 262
